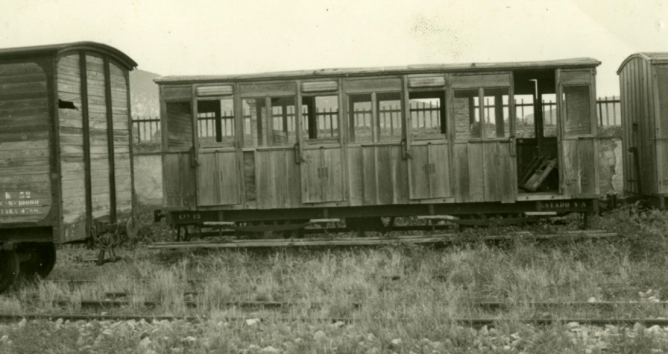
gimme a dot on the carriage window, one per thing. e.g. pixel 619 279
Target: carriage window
pixel 427 113
pixel 283 121
pixel 320 117
pixel 390 124
pixel 215 121
pixel 496 113
pixel 467 114
pixel 254 124
pixel 360 116
pixel 576 108
pixel 179 125
pixel 525 122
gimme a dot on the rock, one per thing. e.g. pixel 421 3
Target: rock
pixel 190 339
pixel 396 342
pixel 506 347
pixel 59 322
pixel 339 324
pixel 145 342
pixel 252 321
pixel 592 299
pixel 269 349
pixel 319 335
pixel 572 325
pixel 370 337
pixel 23 323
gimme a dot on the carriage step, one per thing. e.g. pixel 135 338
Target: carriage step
pixel 540 174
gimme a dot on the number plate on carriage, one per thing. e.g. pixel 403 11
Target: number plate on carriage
pixel 565 205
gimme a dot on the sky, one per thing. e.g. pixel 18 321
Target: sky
pixel 206 37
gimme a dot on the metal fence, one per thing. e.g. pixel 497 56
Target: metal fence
pixel 608 110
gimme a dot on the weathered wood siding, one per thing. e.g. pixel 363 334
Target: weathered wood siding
pixel 635 84
pixel 377 175
pixel 658 106
pixel 98 130
pixel 25 184
pixel 218 178
pixel 72 163
pixel 178 181
pixel 121 118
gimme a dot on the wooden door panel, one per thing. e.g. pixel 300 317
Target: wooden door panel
pixel 179 181
pixel 322 175
pixel 475 174
pixel 579 171
pixel 277 179
pixel 461 165
pixel 218 179
pixel 500 174
pixel 430 171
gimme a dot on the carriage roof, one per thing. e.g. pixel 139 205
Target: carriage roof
pixel 54 49
pixel 395 70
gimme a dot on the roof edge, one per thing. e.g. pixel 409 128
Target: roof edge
pixel 123 58
pixel 424 68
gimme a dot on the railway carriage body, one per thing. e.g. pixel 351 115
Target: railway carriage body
pixel 65 166
pixel 643 83
pixel 380 142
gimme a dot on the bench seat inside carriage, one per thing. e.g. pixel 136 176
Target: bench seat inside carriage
pixel 483 140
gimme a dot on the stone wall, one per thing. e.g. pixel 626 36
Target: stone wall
pixel 148 179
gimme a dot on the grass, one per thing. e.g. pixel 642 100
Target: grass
pixel 407 292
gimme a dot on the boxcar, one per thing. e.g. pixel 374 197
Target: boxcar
pixel 65 166
pixel 643 83
pixel 460 140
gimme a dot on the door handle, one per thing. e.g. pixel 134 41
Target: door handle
pixel 193 158
pixel 298 154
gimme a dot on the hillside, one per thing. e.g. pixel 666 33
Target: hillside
pixel 144 95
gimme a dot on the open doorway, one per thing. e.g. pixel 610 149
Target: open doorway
pixel 536 132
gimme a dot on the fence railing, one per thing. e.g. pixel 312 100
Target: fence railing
pixel 608 110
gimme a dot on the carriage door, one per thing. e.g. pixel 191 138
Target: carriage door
pixel 320 153
pixel 426 141
pixel 579 146
pixel 218 172
pixel 484 151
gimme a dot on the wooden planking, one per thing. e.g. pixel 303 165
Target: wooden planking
pixel 500 182
pixel 322 175
pixel 575 77
pixel 277 181
pixel 367 85
pixel 430 171
pixel 121 133
pixel 25 184
pixel 178 181
pixel 480 80
pixel 258 89
pixel 179 126
pixel 659 112
pixel 392 173
pixel 177 93
pixel 218 178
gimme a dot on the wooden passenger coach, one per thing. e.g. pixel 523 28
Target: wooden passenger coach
pixel 643 83
pixel 380 142
pixel 65 166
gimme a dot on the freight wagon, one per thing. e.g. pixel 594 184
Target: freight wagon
pixel 643 84
pixel 65 166
pixel 262 152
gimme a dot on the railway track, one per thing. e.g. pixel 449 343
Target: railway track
pixel 450 238
pixel 472 322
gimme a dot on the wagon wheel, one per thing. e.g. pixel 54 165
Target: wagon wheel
pixel 9 269
pixel 41 262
